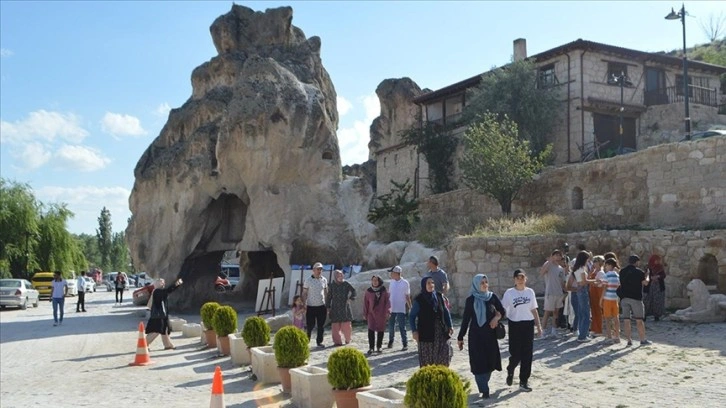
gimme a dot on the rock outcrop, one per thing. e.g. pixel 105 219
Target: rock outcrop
pixel 249 163
pixel 398 112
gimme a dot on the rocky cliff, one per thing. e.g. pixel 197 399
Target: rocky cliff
pixel 250 163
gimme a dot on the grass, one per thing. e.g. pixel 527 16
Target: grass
pixel 527 225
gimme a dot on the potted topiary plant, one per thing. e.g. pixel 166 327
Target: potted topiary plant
pixel 207 314
pixel 291 350
pixel 256 332
pixel 256 335
pixel 348 373
pixel 436 386
pixel 224 323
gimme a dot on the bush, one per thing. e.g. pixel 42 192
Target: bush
pixel 436 386
pixel 348 369
pixel 291 347
pixel 256 332
pixel 225 321
pixel 531 224
pixel 207 314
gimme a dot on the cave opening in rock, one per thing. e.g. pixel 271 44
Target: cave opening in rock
pixel 255 266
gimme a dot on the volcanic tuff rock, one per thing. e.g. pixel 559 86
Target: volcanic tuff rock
pixel 398 112
pixel 250 162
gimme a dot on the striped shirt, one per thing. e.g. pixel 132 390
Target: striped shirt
pixel 613 284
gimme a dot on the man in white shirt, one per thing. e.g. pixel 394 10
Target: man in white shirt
pixel 520 304
pixel 81 285
pixel 315 290
pixel 58 296
pixel 400 296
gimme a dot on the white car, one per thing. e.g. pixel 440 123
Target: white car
pixel 72 287
pixel 90 285
pixel 17 292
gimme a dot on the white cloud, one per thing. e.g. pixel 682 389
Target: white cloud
pixel 353 140
pixel 4 52
pixel 86 203
pixel 344 106
pixel 32 156
pixel 43 125
pixel 162 110
pixel 117 124
pixel 81 158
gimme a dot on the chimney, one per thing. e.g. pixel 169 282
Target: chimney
pixel 520 49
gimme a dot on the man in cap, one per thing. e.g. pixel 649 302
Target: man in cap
pixel 315 289
pixel 632 280
pixel 400 296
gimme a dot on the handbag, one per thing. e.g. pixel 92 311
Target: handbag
pixel 500 331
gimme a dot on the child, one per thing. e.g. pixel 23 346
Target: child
pixel 298 312
pixel 609 301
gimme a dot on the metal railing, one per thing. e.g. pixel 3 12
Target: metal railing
pixel 674 94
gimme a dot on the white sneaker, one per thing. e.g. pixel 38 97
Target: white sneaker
pixel 553 332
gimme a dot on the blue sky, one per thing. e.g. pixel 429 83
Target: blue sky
pixel 86 86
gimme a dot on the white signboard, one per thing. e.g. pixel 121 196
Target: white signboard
pixel 262 285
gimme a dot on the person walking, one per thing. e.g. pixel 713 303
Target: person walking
pixel 400 293
pixel 376 307
pixel 431 326
pixel 581 297
pixel 81 284
pixel 441 279
pixel 654 299
pixel 609 302
pixel 314 293
pixel 120 286
pixel 340 294
pixel 632 282
pixel 520 304
pixel 158 323
pixel 58 295
pixel 553 275
pixel 482 312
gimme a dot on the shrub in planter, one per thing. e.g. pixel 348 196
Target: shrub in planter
pixel 291 347
pixel 436 386
pixel 348 368
pixel 207 314
pixel 224 321
pixel 256 332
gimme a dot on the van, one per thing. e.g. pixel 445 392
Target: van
pixel 42 283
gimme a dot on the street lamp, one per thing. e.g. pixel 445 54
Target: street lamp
pixel 621 80
pixel 682 16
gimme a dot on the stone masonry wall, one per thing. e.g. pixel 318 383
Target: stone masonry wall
pixel 499 257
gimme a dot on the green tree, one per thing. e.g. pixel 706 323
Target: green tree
pixel 104 237
pixel 119 252
pixel 57 249
pixel 396 213
pixel 496 162
pixel 89 246
pixel 19 216
pixel 438 147
pixel 513 91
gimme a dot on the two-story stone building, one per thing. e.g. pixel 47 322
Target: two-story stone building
pixel 588 76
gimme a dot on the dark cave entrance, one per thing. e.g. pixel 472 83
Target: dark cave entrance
pixel 255 266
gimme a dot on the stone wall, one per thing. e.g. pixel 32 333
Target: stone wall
pixel 664 123
pixel 684 252
pixel 673 185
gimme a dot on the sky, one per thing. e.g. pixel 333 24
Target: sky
pixel 85 87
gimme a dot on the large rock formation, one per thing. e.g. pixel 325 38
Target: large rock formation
pixel 249 163
pixel 398 112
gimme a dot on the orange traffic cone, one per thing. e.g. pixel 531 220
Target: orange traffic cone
pixel 142 349
pixel 217 400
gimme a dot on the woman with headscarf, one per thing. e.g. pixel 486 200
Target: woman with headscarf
pixel 431 325
pixel 159 313
pixel 376 309
pixel 340 294
pixel 654 301
pixel 482 313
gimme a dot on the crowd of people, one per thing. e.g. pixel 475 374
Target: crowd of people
pixel 585 296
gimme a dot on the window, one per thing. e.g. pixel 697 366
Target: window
pixel 434 112
pixel 546 76
pixel 454 106
pixel 693 82
pixel 615 70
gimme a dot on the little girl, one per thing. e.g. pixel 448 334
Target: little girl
pixel 298 312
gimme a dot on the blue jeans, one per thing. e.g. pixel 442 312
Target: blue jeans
pixel 582 313
pixel 482 382
pixel 401 319
pixel 58 303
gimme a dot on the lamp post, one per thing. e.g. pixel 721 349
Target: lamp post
pixel 682 16
pixel 622 81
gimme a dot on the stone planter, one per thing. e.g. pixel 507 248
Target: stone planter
pixel 264 365
pixel 310 387
pixel 177 325
pixel 383 398
pixel 238 350
pixel 191 330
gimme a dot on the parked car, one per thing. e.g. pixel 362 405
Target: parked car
pixel 144 279
pixel 18 292
pixel 141 296
pixel 72 287
pixel 42 283
pixel 110 280
pixel 705 134
pixel 90 285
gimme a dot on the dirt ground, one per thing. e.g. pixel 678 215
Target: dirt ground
pixel 85 363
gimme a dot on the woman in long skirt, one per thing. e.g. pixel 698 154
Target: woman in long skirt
pixel 159 314
pixel 655 292
pixel 431 326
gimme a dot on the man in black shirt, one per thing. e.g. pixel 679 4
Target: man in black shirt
pixel 632 280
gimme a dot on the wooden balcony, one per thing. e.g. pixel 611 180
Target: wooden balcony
pixel 696 94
